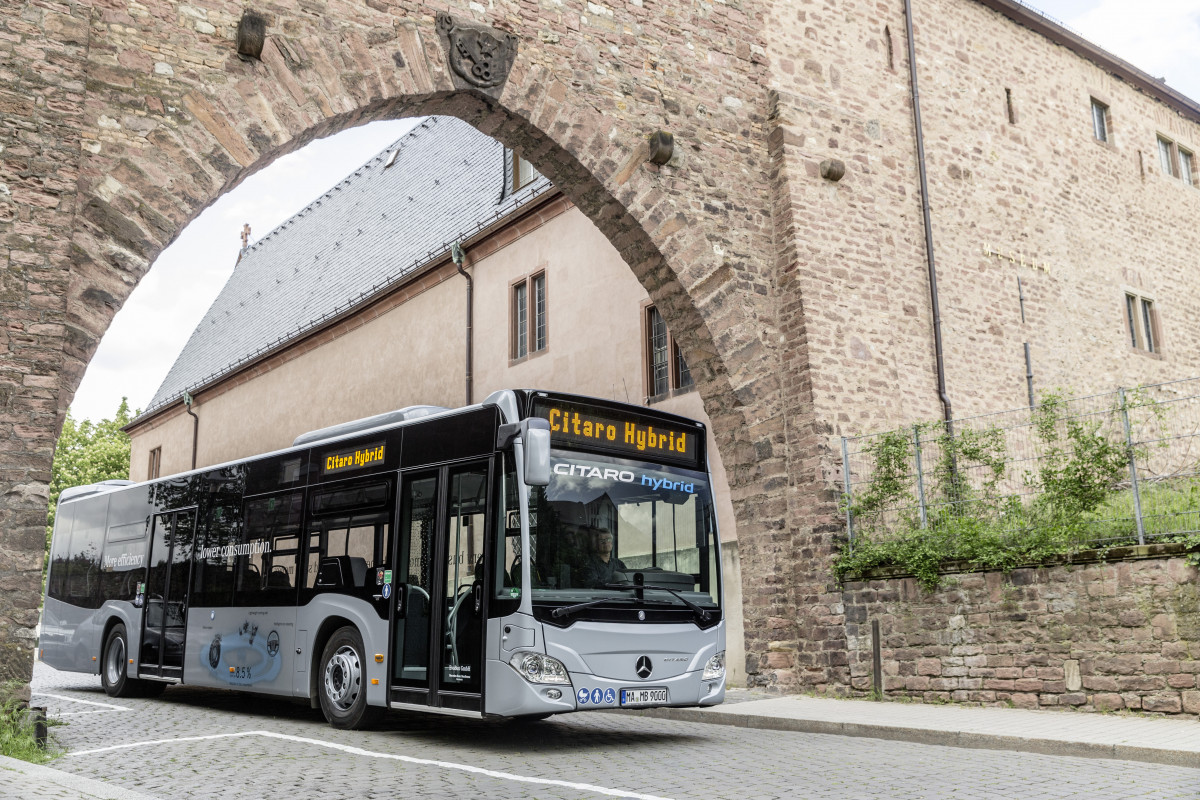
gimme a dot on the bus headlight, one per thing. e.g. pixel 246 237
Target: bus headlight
pixel 715 667
pixel 537 668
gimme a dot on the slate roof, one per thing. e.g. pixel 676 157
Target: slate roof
pixel 366 233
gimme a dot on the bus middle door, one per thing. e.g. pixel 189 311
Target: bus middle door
pixel 164 628
pixel 437 617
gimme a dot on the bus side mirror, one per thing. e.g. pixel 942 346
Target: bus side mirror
pixel 536 438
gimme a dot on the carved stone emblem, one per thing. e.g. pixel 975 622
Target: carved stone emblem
pixel 479 56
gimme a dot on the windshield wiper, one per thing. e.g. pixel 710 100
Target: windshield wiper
pixel 700 612
pixel 563 611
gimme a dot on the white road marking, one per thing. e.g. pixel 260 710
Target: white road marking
pixel 358 751
pixel 85 702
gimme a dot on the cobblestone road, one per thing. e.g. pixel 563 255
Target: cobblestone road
pixel 195 743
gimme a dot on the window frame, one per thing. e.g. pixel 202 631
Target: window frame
pixel 514 174
pixel 1102 122
pixel 525 332
pixel 1186 157
pixel 1143 331
pixel 1168 160
pixel 677 369
pixel 1172 159
pixel 154 464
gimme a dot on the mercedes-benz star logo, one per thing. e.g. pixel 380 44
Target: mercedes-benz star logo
pixel 644 667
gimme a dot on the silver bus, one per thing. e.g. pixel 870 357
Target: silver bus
pixel 534 554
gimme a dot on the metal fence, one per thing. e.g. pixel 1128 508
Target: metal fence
pixel 1102 470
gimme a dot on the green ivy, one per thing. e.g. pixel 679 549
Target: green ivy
pixel 1076 497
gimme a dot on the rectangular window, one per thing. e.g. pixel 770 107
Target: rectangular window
pixel 154 469
pixel 1187 167
pixel 1142 320
pixel 538 282
pixel 1166 157
pixel 666 369
pixel 660 367
pixel 520 320
pixel 1099 120
pixel 264 558
pixel 529 316
pixel 523 172
pixel 1147 324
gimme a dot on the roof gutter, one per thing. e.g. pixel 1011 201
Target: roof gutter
pixel 478 237
pixel 1021 14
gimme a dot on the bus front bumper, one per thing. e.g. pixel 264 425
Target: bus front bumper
pixel 508 694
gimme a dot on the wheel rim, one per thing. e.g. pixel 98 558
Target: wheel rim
pixel 114 663
pixel 343 678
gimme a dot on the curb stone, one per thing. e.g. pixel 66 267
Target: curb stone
pixel 976 741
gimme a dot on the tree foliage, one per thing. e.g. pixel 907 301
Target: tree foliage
pixel 89 452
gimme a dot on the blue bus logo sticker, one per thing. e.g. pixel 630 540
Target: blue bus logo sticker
pixel 610 696
pixel 582 697
pixel 597 696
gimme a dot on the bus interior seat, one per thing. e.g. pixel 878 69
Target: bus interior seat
pixel 278 578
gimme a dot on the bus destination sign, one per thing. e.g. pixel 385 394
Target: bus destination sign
pixel 623 433
pixel 344 460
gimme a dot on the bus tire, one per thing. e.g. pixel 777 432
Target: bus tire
pixel 342 682
pixel 114 674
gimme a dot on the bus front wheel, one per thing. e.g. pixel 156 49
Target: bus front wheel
pixel 342 682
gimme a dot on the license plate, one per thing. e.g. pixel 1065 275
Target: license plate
pixel 643 697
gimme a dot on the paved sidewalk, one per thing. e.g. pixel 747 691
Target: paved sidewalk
pixel 20 779
pixel 1157 740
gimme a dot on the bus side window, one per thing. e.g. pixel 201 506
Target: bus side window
pixel 265 565
pixel 350 522
pixel 212 575
pixel 87 539
pixel 60 552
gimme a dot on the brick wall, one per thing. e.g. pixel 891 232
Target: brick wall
pixel 1096 637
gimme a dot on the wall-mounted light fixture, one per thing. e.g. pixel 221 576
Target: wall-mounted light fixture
pixel 251 35
pixel 662 146
pixel 833 170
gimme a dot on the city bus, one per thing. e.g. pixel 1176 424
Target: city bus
pixel 534 554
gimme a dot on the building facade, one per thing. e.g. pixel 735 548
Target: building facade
pixel 783 240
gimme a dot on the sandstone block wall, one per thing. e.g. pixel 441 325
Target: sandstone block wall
pixel 1096 637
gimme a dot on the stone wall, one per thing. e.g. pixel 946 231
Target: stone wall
pixel 1097 637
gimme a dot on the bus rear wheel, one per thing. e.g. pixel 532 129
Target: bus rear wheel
pixel 342 682
pixel 114 675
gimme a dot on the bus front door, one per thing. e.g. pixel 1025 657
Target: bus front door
pixel 437 617
pixel 164 614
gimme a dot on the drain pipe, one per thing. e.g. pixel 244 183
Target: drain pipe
pixel 457 254
pixel 933 292
pixel 187 403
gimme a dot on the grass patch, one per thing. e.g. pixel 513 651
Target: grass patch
pixel 17 733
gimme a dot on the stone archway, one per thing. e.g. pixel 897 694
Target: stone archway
pixel 131 119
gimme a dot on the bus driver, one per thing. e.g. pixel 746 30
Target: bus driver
pixel 600 566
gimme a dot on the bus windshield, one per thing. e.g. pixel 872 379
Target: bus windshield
pixel 606 523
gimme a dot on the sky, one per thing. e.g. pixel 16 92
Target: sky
pixel 150 330
pixel 1160 37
